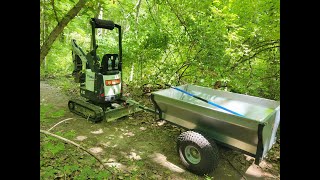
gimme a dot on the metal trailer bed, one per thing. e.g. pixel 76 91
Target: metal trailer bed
pixel 254 134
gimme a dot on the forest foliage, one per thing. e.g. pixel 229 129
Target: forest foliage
pixel 231 45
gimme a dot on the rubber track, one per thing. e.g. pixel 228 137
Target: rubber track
pixel 98 111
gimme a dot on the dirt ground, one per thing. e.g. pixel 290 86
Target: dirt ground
pixel 140 137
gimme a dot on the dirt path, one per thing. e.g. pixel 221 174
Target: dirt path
pixel 152 143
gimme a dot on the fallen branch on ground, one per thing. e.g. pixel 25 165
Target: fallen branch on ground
pixel 73 143
pixel 60 123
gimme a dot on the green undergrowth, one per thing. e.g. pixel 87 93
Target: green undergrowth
pixel 49 113
pixel 59 160
pixel 66 84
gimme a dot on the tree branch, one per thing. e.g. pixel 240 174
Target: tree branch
pixel 182 22
pixel 151 14
pixel 55 12
pixel 188 65
pixel 250 57
pixel 137 7
pixel 181 75
pixel 266 44
pixel 276 75
pixel 45 48
pixel 186 62
pixel 59 123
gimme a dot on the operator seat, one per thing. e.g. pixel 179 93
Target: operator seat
pixel 109 64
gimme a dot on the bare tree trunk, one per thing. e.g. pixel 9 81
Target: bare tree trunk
pixel 99 15
pixel 44 30
pixel 137 7
pixel 131 72
pixel 137 15
pixel 59 28
pixel 42 25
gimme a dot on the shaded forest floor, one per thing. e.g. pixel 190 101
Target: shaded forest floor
pixel 134 147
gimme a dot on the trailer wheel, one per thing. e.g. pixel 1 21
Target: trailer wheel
pixel 198 154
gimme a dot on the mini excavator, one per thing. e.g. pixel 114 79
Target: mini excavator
pixel 100 81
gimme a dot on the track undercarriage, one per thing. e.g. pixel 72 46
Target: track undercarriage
pixel 99 112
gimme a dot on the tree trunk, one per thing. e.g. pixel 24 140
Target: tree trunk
pixel 99 15
pixel 44 29
pixel 132 72
pixel 44 50
pixel 137 7
pixel 137 15
pixel 42 25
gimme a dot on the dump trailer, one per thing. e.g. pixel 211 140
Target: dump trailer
pixel 252 130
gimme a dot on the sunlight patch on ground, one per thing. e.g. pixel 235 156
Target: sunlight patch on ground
pixel 142 128
pixel 111 137
pixel 96 150
pixel 162 160
pixel 264 164
pixel 160 123
pixel 81 138
pixel 100 131
pixel 116 165
pixel 129 134
pixel 134 156
pixel 105 144
pixel 256 172
pixel 111 162
pixel 249 158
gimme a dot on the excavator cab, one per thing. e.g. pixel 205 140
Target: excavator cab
pixel 110 63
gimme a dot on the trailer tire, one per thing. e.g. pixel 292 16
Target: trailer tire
pixel 197 153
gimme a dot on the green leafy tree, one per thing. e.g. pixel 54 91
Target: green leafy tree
pixel 228 45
